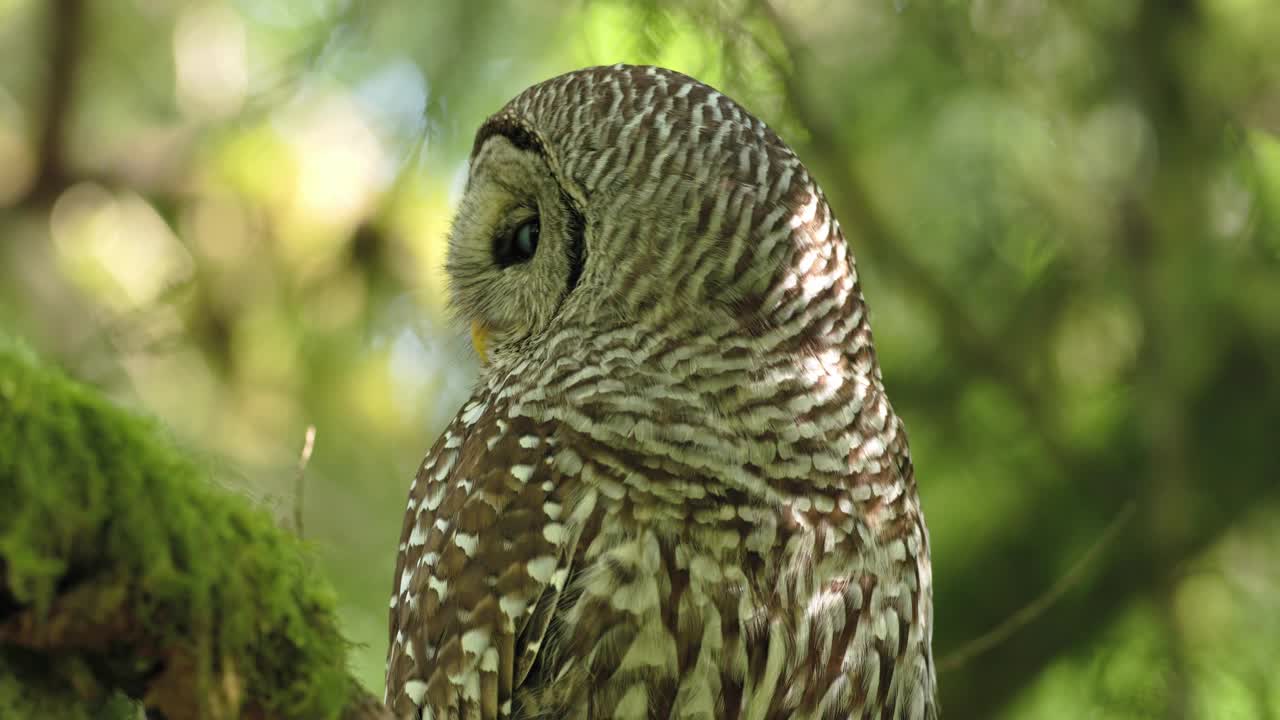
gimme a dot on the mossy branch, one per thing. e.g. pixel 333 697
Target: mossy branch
pixel 124 573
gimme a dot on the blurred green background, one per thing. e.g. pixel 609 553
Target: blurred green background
pixel 232 214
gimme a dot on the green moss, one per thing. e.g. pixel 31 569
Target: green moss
pixel 120 549
pixel 35 686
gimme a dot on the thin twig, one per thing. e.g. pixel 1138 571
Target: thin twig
pixel 308 444
pixel 1034 609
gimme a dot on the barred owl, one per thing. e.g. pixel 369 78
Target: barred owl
pixel 678 490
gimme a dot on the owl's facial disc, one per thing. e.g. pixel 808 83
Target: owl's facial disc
pixel 515 247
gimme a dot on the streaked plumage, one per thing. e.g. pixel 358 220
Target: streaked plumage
pixel 679 490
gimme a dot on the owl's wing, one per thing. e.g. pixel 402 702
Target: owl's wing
pixel 484 553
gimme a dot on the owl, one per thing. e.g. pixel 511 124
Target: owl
pixel 678 489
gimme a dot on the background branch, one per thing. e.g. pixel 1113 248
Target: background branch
pixel 65 21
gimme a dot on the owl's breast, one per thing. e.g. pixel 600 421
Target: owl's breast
pixel 761 617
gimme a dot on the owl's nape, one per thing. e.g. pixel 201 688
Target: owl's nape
pixel 679 489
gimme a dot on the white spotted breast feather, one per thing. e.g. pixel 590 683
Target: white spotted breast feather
pixel 482 557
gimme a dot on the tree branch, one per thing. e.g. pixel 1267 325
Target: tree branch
pixel 126 572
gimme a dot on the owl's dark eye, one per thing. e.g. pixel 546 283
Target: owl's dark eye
pixel 518 245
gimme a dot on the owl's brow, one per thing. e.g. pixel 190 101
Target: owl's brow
pixel 519 135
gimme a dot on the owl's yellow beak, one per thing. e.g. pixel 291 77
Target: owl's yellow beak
pixel 480 340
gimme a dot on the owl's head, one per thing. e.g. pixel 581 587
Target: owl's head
pixel 632 196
